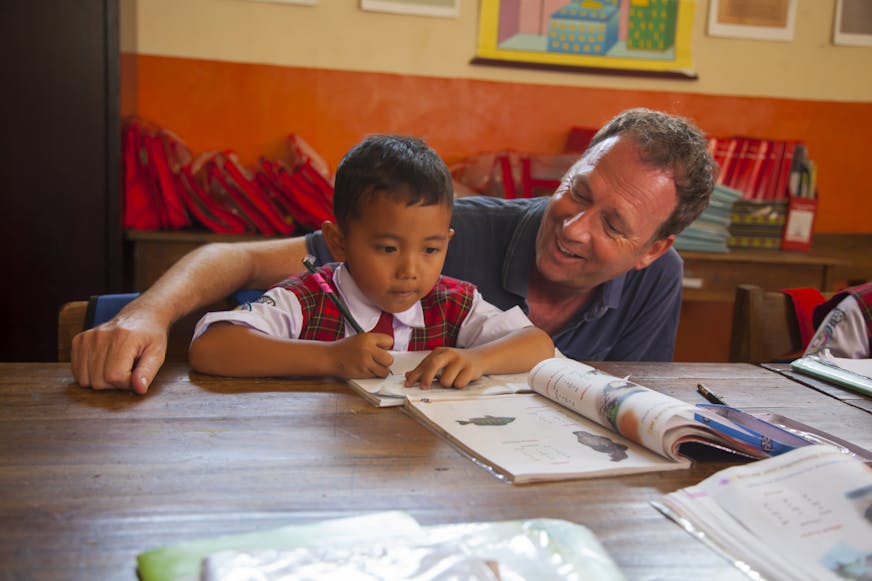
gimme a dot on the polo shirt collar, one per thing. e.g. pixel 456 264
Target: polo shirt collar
pixel 520 257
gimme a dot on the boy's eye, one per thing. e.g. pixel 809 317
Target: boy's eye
pixel 387 249
pixel 432 250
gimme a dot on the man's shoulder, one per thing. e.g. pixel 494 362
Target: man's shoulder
pixel 500 206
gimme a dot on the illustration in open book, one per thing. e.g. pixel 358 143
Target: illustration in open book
pixel 580 422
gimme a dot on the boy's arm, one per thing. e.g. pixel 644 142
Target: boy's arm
pixel 516 352
pixel 240 351
pixel 127 351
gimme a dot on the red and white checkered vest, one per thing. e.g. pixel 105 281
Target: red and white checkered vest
pixel 445 307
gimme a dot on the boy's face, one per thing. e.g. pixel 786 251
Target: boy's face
pixel 394 251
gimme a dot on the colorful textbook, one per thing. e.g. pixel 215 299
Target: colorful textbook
pixel 577 422
pixel 806 514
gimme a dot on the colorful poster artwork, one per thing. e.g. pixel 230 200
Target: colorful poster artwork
pixel 652 36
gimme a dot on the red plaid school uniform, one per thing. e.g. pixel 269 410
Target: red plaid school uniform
pixel 445 307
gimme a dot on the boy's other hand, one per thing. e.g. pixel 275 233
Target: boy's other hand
pixel 454 368
pixel 362 356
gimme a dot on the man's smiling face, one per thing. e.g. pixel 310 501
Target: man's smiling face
pixel 602 220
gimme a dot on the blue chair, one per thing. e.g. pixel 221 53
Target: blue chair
pixel 101 308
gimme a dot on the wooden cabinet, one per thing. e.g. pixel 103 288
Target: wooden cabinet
pixel 715 276
pixel 710 281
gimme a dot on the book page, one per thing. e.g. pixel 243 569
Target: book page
pixel 530 438
pixel 843 372
pixel 658 422
pixel 859 366
pixel 806 514
pixel 391 390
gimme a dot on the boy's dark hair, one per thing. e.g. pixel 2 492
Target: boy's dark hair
pixel 675 144
pixel 399 165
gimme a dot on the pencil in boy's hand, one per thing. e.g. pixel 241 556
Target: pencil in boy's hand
pixel 309 263
pixel 310 266
pixel 709 395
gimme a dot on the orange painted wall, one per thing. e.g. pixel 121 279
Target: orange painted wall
pixel 249 108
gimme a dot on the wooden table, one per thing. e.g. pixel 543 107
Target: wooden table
pixel 90 479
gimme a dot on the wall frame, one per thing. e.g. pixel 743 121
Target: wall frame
pixel 444 8
pixel 852 25
pixel 760 19
pixel 636 37
pixel 302 2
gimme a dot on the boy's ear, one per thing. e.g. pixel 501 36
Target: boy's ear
pixel 450 234
pixel 334 239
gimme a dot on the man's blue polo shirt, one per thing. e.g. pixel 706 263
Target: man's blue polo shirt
pixel 633 317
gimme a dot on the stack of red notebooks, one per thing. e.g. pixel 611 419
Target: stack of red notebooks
pixel 779 196
pixel 165 188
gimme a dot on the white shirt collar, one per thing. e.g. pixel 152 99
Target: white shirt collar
pixel 362 309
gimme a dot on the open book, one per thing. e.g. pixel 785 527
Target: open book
pixel 802 515
pixel 390 391
pixel 581 422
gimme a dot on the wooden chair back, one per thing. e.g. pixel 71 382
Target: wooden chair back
pixel 71 321
pixel 765 328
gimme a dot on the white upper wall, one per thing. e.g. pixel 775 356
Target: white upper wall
pixel 337 34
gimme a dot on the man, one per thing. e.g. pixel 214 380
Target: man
pixel 592 265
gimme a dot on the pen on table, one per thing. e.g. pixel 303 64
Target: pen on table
pixel 337 300
pixel 710 395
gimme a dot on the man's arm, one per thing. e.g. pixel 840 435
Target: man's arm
pixel 127 351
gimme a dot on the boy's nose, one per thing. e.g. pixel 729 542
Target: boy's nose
pixel 406 267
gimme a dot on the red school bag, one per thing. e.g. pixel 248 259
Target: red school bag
pixel 245 184
pixel 205 208
pixel 160 150
pixel 310 207
pixel 142 203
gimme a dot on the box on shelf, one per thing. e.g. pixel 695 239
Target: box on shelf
pixel 799 224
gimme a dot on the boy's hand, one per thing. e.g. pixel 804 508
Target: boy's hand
pixel 458 368
pixel 362 356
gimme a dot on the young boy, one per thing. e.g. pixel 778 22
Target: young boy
pixel 393 200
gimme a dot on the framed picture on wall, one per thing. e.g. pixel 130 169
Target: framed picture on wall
pixel 303 2
pixel 759 19
pixel 446 8
pixel 852 25
pixel 651 38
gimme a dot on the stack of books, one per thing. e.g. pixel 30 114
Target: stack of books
pixel 759 168
pixel 777 180
pixel 757 224
pixel 711 231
